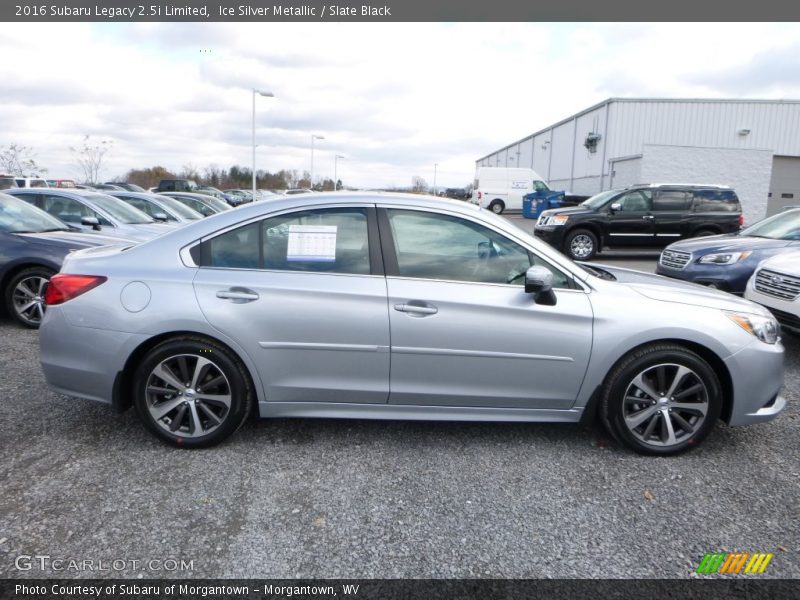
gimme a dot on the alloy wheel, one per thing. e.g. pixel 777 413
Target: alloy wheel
pixel 665 405
pixel 188 395
pixel 581 246
pixel 28 299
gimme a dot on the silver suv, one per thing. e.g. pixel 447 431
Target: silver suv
pixel 398 307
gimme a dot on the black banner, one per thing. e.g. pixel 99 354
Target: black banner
pixel 284 11
pixel 376 589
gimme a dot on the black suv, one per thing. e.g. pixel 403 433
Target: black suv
pixel 644 216
pixel 176 185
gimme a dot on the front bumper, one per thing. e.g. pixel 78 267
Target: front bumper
pixel 757 374
pixel 552 235
pixel 729 278
pixel 787 312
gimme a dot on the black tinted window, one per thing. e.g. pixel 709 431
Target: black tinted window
pixel 237 249
pixel 716 200
pixel 671 200
pixel 635 201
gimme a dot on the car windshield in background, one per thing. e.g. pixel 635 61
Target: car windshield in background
pixel 783 226
pixel 180 209
pixel 218 204
pixel 600 199
pixel 17 216
pixel 119 210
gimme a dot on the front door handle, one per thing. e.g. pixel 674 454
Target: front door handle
pixel 238 295
pixel 426 309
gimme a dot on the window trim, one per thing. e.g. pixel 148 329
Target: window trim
pixel 393 267
pixel 197 254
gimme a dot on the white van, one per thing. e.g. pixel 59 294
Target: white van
pixel 502 188
pixel 31 182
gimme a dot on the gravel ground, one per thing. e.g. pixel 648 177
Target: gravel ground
pixel 324 498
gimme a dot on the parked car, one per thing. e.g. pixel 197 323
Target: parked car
pixel 209 190
pixel 93 211
pixel 457 193
pixel 205 205
pixel 726 262
pixel 32 247
pixel 647 216
pixel 238 197
pixel 776 285
pixel 281 308
pixel 177 185
pixel 61 183
pixel 6 182
pixel 159 207
pixel 107 187
pixel 295 191
pixel 131 187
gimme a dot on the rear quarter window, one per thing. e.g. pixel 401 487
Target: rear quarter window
pixel 716 201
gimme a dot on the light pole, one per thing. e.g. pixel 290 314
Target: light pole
pixel 335 171
pixel 268 95
pixel 313 137
pixel 435 166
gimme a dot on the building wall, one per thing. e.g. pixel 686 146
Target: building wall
pixel 746 171
pixel 785 183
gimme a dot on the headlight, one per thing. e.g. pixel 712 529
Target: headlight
pixel 724 258
pixel 556 220
pixel 764 328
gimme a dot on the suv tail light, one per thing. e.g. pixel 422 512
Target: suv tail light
pixel 63 287
pixel 480 195
pixel 741 220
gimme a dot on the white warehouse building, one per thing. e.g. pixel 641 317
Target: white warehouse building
pixel 750 145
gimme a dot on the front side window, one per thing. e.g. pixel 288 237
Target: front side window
pixel 444 247
pixel 540 186
pixel 636 201
pixel 69 210
pixel 327 240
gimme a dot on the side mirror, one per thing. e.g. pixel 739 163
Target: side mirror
pixel 616 207
pixel 539 282
pixel 92 222
pixel 160 216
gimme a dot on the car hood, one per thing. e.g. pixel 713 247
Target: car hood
pixel 730 242
pixel 666 289
pixel 76 239
pixel 572 210
pixel 786 262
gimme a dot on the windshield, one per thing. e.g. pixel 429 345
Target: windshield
pixel 180 209
pixel 124 213
pixel 783 226
pixel 17 216
pixel 600 199
pixel 216 203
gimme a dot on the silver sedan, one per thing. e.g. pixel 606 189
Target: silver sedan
pixel 399 307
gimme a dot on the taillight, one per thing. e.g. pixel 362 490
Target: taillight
pixel 741 220
pixel 480 195
pixel 63 287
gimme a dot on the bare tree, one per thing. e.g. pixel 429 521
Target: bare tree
pixel 90 157
pixel 419 185
pixel 18 160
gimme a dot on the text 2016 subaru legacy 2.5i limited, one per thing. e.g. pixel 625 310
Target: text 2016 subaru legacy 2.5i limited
pixel 398 307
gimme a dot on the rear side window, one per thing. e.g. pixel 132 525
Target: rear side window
pixel 716 201
pixel 671 200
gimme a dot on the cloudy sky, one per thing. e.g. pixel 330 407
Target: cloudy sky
pixel 393 99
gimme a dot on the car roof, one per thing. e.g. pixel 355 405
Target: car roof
pixel 715 186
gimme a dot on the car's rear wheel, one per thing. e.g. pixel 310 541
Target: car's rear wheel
pixel 704 233
pixel 497 207
pixel 192 392
pixel 662 399
pixel 25 295
pixel 581 244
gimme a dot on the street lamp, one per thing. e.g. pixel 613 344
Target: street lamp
pixel 268 95
pixel 313 137
pixel 435 165
pixel 335 178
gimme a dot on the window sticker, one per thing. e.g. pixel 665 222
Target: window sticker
pixel 311 243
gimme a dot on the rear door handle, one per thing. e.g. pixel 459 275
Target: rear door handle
pixel 648 217
pixel 238 295
pixel 418 309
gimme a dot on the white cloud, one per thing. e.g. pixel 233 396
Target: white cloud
pixel 393 98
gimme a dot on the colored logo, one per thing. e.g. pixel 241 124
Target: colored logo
pixel 737 563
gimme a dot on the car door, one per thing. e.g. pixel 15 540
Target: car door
pixel 463 330
pixel 304 294
pixel 671 209
pixel 632 223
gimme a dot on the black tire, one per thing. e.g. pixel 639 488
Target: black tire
pixel 580 244
pixel 704 233
pixel 24 296
pixel 660 423
pixel 193 417
pixel 497 207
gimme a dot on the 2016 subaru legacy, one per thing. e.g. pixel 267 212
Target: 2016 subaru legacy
pixel 398 307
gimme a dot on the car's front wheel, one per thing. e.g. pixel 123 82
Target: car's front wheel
pixel 662 399
pixel 25 295
pixel 581 244
pixel 192 392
